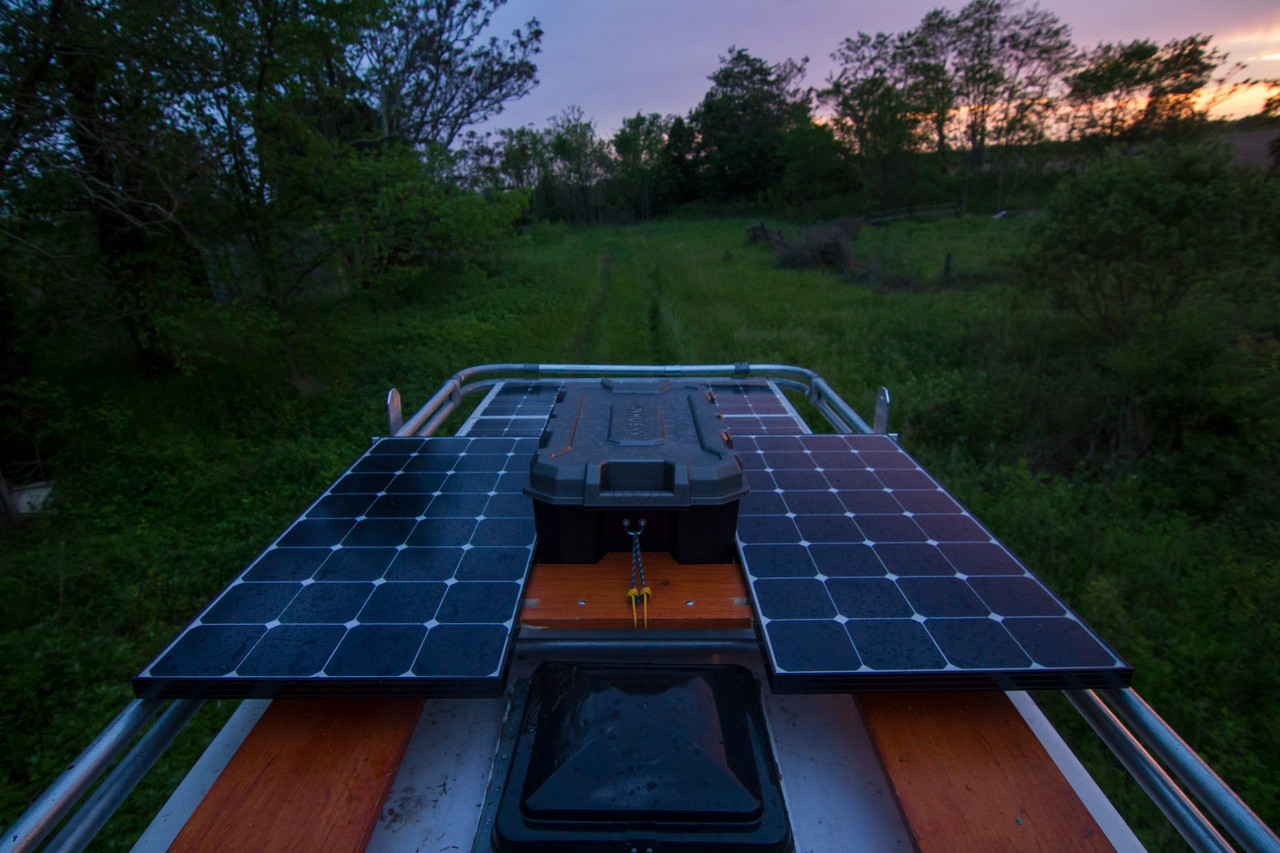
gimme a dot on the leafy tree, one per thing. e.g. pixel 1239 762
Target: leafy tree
pixel 1271 109
pixel 742 120
pixel 994 68
pixel 818 165
pixel 579 161
pixel 872 96
pixel 1009 62
pixel 34 32
pixel 677 176
pixel 638 146
pixel 90 127
pixel 153 156
pixel 524 157
pixel 1167 258
pixel 1038 51
pixel 275 67
pixel 431 74
pixel 1127 92
pixel 511 158
pixel 929 52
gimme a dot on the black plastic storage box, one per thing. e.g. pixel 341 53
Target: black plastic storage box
pixel 626 450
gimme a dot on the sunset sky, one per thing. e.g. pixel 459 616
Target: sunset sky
pixel 614 58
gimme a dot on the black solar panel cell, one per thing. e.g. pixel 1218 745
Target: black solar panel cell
pixel 292 651
pixel 251 603
pixel 356 564
pixel 400 602
pixel 846 559
pixel 462 652
pixel 895 645
pixel 287 564
pixel 424 564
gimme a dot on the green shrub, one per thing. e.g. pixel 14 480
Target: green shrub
pixel 1128 242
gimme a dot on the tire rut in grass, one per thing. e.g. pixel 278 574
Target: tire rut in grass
pixel 655 323
pixel 583 342
pixel 659 356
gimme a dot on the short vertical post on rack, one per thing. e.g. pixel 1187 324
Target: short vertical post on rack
pixel 881 423
pixel 395 415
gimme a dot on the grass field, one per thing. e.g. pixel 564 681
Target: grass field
pixel 168 488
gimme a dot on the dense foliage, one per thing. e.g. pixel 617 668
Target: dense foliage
pixel 160 160
pixel 1132 241
pixel 186 176
pixel 1168 260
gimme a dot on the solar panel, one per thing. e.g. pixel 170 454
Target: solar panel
pixel 757 407
pixel 513 408
pixel 403 578
pixel 866 574
pixel 521 407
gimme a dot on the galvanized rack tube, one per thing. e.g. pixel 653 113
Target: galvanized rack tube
pixel 81 827
pixel 1176 805
pixel 1250 832
pixel 1128 713
pixel 29 830
pixel 841 415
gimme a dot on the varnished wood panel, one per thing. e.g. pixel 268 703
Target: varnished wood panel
pixel 969 775
pixel 311 775
pixel 595 596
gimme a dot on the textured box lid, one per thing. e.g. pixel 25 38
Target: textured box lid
pixel 636 443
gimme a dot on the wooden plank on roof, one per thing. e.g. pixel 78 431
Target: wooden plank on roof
pixel 969 775
pixel 311 775
pixel 564 595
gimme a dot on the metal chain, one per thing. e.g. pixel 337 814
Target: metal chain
pixel 637 560
pixel 640 590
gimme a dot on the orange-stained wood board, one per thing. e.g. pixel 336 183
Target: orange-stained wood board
pixel 311 775
pixel 969 775
pixel 571 595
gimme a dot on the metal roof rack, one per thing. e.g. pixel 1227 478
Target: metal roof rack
pixel 1149 749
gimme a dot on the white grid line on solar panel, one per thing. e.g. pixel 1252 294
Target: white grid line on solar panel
pixel 753 425
pixel 515 409
pixel 757 407
pixel 465 429
pixel 410 567
pixel 862 567
pixel 512 408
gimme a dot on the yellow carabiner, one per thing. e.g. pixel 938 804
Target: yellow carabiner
pixel 645 592
pixel 632 594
